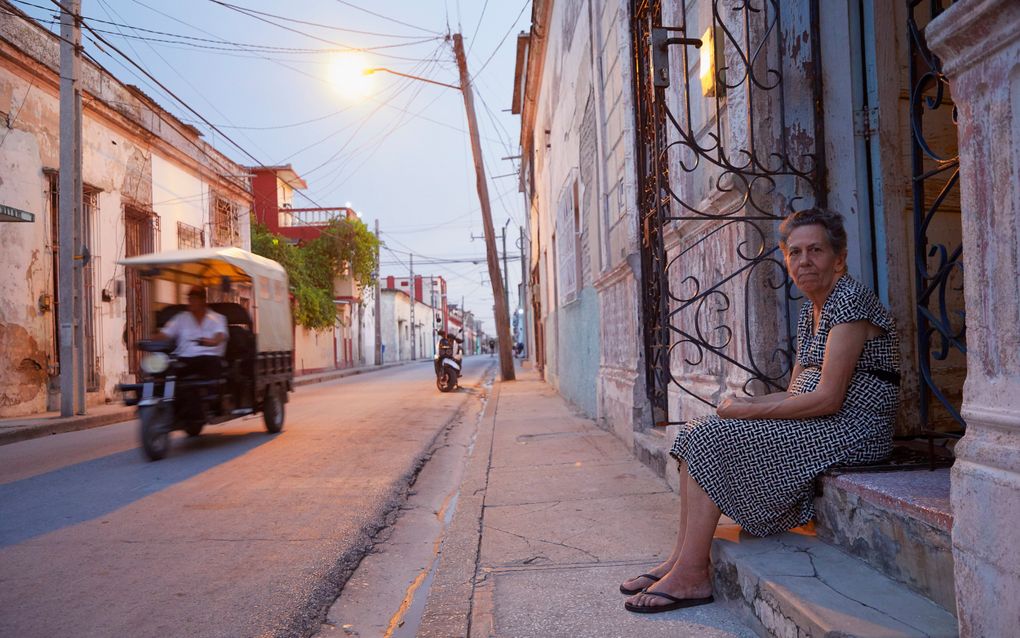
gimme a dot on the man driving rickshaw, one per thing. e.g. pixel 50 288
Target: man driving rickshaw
pixel 200 335
pixel 209 363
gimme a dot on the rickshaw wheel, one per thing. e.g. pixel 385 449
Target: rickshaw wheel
pixel 194 429
pixel 272 411
pixel 155 439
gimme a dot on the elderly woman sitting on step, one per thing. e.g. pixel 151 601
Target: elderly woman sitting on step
pixel 757 460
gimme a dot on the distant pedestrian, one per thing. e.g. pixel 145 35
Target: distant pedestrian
pixel 492 347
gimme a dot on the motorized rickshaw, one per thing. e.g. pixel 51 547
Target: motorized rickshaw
pixel 257 370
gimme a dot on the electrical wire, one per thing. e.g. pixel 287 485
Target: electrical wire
pixel 106 8
pixel 502 41
pixel 260 18
pixel 477 26
pixel 387 18
pixel 241 45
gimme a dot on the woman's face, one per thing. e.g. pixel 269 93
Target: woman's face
pixel 812 262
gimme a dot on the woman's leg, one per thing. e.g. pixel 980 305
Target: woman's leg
pixel 663 567
pixel 689 576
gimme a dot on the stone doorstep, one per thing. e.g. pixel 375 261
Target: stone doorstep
pixel 796 585
pixel 897 522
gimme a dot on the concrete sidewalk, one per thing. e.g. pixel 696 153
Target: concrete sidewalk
pixel 553 514
pixel 25 428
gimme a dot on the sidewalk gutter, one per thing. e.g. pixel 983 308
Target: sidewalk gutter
pixel 26 428
pixel 452 594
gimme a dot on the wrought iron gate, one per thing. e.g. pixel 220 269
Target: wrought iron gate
pixel 721 159
pixel 938 256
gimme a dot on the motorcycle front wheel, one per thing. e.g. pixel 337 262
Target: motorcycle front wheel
pixel 443 381
pixel 155 430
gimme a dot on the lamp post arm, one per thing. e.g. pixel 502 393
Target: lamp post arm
pixel 412 77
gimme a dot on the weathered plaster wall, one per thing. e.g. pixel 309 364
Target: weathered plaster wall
pixel 979 45
pixel 133 153
pixel 313 349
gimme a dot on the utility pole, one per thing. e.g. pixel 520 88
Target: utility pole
pixel 523 297
pixel 506 272
pixel 378 316
pixel 70 202
pixel 506 362
pixel 414 344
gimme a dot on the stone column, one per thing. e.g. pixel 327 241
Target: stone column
pixel 978 42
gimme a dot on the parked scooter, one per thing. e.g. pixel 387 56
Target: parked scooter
pixel 447 361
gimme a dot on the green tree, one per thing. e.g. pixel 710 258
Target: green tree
pixel 345 247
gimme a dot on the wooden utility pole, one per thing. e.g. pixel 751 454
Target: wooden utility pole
pixel 378 303
pixel 506 362
pixel 414 344
pixel 69 213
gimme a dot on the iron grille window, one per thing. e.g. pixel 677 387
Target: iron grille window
pixel 88 346
pixel 225 226
pixel 189 236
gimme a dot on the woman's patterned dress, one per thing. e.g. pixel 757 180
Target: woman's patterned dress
pixel 760 472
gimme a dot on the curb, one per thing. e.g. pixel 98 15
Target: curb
pixel 459 599
pixel 323 596
pixel 38 428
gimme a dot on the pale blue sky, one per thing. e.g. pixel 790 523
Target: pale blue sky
pixel 401 155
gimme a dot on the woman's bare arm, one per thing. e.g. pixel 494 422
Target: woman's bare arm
pixel 843 349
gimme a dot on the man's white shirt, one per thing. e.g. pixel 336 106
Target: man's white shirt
pixel 186 330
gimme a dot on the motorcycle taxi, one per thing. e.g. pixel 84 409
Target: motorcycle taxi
pixel 257 371
pixel 448 360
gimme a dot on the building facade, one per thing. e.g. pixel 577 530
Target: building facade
pixel 351 340
pixel 662 144
pixel 150 183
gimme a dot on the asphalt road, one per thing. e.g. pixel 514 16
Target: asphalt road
pixel 235 533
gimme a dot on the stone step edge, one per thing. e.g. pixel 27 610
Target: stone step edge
pixel 798 585
pixel 890 538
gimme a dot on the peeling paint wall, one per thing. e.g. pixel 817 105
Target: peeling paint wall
pixel 133 154
pixel 583 155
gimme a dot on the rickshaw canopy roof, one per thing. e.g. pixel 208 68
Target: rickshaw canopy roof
pixel 209 266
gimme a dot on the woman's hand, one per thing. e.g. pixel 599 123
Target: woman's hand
pixel 734 407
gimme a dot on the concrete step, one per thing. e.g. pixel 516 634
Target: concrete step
pixel 796 585
pixel 897 522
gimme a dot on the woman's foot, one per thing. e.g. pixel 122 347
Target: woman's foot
pixel 690 585
pixel 634 585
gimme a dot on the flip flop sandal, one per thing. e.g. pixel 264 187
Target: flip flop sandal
pixel 675 603
pixel 638 590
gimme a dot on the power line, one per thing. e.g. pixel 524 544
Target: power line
pixel 250 14
pixel 500 45
pixel 477 26
pixel 242 45
pixel 379 15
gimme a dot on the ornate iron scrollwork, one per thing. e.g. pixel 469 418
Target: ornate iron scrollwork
pixel 718 168
pixel 938 268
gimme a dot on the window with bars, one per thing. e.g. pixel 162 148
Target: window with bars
pixel 225 225
pixel 189 236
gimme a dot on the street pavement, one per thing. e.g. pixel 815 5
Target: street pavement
pixel 235 533
pixel 553 514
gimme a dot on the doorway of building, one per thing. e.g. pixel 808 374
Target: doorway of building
pixel 140 238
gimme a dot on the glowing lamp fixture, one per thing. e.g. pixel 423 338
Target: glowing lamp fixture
pixel 710 53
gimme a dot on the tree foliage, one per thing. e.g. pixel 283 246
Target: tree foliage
pixel 344 248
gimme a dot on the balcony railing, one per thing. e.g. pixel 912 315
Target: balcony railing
pixel 305 217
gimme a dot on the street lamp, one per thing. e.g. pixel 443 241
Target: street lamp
pixel 506 362
pixel 383 69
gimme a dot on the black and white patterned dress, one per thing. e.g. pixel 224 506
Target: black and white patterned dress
pixel 760 472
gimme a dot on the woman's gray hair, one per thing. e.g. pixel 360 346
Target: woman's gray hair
pixel 830 220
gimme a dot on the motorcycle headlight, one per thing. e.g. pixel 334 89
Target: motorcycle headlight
pixel 154 362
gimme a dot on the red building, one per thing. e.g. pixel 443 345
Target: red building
pixel 273 190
